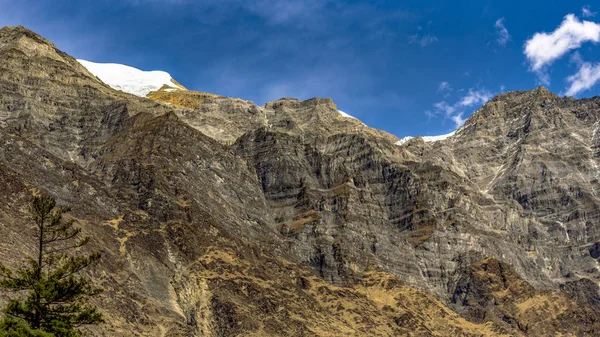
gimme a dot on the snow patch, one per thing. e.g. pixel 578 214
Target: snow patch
pixel 427 139
pixel 592 161
pixel 129 79
pixel 345 114
pixel 565 229
pixel 404 140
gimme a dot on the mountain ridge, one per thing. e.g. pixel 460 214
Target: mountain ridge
pixel 222 218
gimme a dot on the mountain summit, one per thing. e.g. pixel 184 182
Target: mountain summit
pixel 217 217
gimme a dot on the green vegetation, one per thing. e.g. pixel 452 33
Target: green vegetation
pixel 50 294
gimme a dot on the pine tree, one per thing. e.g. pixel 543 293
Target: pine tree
pixel 52 293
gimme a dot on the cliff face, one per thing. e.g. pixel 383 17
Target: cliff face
pixel 217 217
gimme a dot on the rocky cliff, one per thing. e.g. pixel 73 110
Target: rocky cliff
pixel 217 217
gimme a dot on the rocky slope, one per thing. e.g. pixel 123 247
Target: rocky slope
pixel 217 217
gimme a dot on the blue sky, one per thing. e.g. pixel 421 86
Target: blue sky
pixel 408 67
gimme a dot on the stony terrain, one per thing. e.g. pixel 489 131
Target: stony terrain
pixel 217 217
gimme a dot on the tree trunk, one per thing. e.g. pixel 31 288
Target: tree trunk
pixel 38 275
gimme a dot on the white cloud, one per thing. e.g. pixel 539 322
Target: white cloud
pixel 423 41
pixel 576 58
pixel 458 120
pixel 444 107
pixel 456 112
pixel 444 88
pixel 430 114
pixel 545 48
pixel 502 33
pixel 306 13
pixel 584 79
pixel 475 97
pixel 281 11
pixel 586 12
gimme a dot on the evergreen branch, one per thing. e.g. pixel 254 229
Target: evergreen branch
pixel 55 299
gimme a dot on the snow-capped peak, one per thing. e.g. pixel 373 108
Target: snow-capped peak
pixel 130 79
pixel 345 114
pixel 427 139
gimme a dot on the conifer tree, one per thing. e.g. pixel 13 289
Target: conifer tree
pixel 51 293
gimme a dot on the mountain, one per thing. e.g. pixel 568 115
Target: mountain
pixel 217 217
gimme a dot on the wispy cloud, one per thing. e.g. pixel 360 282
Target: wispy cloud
pixel 586 12
pixel 444 88
pixel 502 35
pixel 307 14
pixel 545 48
pixel 445 108
pixel 475 97
pixel 456 112
pixel 587 76
pixel 422 40
pixel 283 11
pixel 459 120
pixel 576 59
